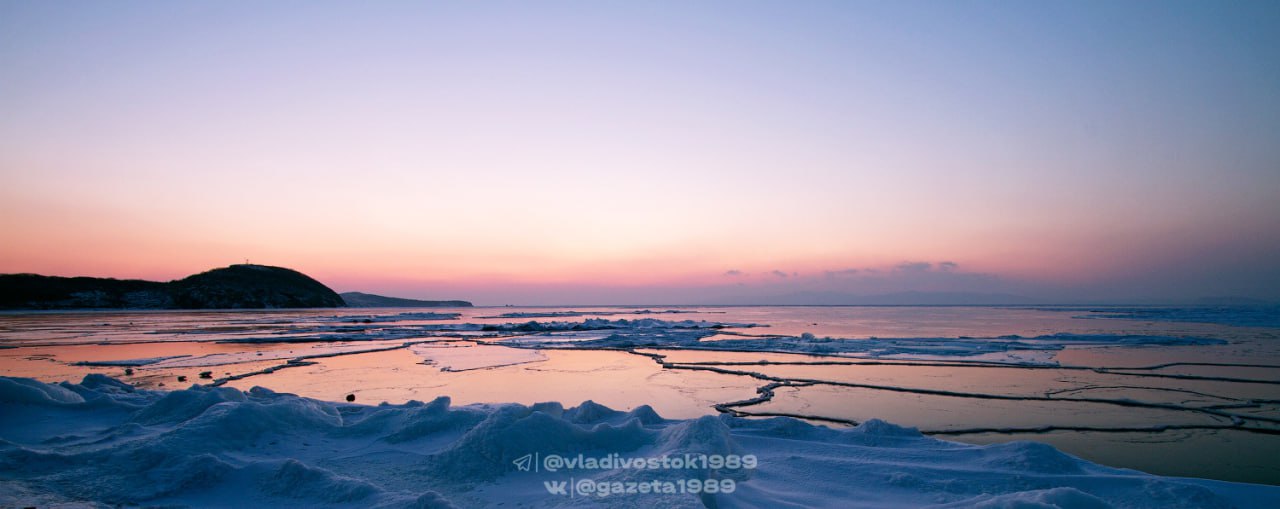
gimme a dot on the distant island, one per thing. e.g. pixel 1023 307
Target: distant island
pixel 365 300
pixel 241 286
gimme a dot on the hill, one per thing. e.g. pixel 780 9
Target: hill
pixel 366 300
pixel 236 287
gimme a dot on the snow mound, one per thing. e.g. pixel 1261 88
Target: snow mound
pixel 1032 457
pixel 1055 498
pixel 100 442
pixel 294 479
pixel 487 450
pixel 102 384
pixel 25 390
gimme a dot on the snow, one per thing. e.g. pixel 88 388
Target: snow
pixel 1014 349
pixel 596 333
pixel 398 317
pixel 570 314
pixel 605 324
pixel 368 332
pixel 25 390
pixel 103 442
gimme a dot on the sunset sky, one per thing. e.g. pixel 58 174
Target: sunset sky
pixel 650 152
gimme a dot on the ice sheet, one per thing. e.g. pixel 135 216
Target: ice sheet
pixel 469 357
pixel 102 441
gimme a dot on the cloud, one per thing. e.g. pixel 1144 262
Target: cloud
pixel 832 274
pixel 734 273
pixel 914 266
pixel 780 274
pixel 918 267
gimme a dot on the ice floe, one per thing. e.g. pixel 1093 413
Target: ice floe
pixel 605 324
pixel 1004 348
pixel 468 357
pixel 131 362
pixel 398 317
pixel 604 333
pixel 571 314
pixel 220 359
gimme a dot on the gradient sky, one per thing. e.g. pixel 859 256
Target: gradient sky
pixel 650 152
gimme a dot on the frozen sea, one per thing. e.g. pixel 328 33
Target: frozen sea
pixel 1175 392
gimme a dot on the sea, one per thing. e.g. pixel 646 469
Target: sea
pixel 1175 391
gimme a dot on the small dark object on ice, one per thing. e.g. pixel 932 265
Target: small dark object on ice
pixel 128 371
pixel 182 378
pixel 351 397
pixel 206 374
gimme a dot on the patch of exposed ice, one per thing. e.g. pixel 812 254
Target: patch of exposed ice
pixel 219 359
pixel 340 334
pixel 466 358
pixel 130 362
pixel 1240 316
pixel 101 442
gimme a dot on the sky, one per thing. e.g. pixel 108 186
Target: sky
pixel 650 152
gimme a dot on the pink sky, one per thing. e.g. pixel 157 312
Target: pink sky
pixel 451 152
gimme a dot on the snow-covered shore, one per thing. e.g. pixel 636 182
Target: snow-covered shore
pixel 103 442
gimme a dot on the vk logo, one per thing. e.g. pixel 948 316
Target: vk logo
pixel 556 487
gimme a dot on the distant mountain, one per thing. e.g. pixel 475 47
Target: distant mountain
pixel 887 299
pixel 366 300
pixel 235 287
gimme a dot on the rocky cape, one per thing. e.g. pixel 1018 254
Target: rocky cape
pixel 242 286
